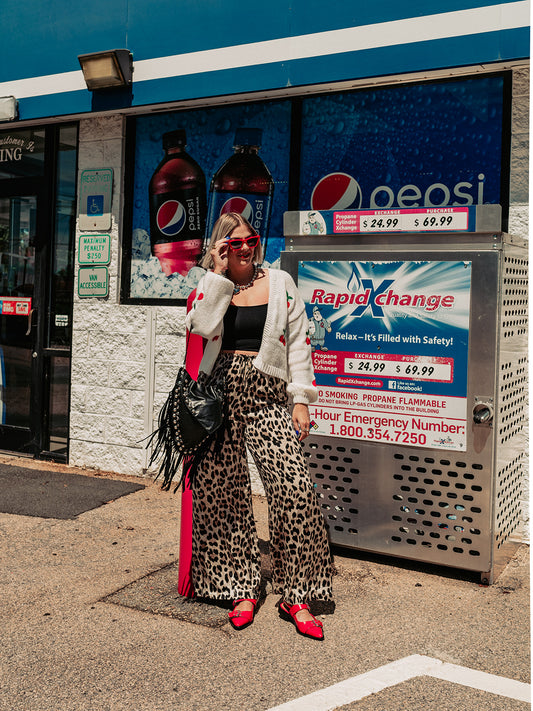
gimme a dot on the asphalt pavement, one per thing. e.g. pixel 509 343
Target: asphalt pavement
pixel 91 618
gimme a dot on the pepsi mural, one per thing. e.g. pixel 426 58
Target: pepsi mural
pixel 244 185
pixel 177 207
pixel 409 146
pixel 403 147
pixel 193 166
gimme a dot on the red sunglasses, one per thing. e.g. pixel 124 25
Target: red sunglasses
pixel 252 241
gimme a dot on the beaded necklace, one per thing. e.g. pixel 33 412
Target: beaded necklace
pixel 241 287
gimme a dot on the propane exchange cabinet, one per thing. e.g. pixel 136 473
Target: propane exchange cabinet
pixel 418 325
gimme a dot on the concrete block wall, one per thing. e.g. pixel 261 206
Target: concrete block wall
pixel 519 179
pixel 110 341
pixel 519 225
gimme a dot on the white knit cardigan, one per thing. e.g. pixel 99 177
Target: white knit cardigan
pixel 285 350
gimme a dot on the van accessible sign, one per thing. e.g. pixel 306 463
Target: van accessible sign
pixel 96 188
pixel 93 281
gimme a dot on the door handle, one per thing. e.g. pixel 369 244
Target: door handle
pixel 30 321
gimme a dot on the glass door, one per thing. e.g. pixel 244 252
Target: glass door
pixel 37 229
pixel 19 333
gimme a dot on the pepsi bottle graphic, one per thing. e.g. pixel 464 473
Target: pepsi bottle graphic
pixel 243 184
pixel 177 195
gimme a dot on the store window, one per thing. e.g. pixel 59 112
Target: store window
pixel 430 144
pixel 427 144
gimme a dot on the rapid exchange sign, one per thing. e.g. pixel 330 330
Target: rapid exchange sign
pixel 390 343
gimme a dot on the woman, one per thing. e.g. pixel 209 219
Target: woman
pixel 255 324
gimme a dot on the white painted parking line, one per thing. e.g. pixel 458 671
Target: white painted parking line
pixel 356 688
pixel 509 688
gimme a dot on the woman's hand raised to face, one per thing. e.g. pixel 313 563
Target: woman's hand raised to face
pixel 220 256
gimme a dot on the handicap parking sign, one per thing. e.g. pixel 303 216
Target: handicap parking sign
pixel 96 190
pixel 95 205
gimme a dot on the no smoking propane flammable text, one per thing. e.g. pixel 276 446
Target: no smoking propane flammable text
pixel 93 281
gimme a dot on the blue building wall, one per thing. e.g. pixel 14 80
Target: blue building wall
pixel 195 49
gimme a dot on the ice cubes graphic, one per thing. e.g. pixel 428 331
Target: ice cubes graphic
pixel 140 244
pixel 147 279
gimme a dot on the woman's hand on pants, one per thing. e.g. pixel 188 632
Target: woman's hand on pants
pixel 301 420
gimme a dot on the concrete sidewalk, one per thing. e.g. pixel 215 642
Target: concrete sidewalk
pixel 75 635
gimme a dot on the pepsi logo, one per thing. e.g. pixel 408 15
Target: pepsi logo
pixel 336 191
pixel 239 205
pixel 171 218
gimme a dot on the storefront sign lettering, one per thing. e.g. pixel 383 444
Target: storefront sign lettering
pixel 13 148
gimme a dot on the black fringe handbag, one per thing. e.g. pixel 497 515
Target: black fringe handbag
pixel 188 421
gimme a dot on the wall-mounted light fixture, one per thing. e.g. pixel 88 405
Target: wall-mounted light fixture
pixel 107 70
pixel 8 108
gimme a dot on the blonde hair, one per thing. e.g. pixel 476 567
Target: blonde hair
pixel 223 227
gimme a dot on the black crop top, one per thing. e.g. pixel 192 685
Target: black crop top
pixel 243 327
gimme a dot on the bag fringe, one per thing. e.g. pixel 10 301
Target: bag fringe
pixel 164 445
pixel 171 459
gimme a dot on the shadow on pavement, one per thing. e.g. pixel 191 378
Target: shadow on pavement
pixel 157 593
pixel 60 495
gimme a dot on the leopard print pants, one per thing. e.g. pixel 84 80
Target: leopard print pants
pixel 225 552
